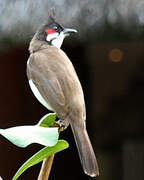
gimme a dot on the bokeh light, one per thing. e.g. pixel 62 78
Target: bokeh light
pixel 115 55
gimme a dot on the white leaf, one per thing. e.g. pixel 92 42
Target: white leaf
pixel 22 136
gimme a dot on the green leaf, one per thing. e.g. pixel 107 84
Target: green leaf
pixel 39 156
pixel 47 120
pixel 22 136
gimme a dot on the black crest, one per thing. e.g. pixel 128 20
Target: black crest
pixel 51 16
pixel 50 23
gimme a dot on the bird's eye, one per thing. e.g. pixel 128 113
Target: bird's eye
pixel 55 27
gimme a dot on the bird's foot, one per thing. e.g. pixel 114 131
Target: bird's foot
pixel 60 124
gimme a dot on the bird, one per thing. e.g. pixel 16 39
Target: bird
pixel 55 84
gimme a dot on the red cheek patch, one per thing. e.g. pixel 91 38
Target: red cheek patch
pixel 50 31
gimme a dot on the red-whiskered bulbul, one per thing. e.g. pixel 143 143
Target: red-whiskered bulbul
pixel 55 84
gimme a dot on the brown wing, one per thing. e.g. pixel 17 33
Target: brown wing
pixel 55 78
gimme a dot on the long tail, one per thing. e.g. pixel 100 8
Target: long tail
pixel 86 152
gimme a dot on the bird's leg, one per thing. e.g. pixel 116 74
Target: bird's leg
pixel 60 124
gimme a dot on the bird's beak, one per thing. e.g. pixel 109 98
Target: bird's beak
pixel 68 31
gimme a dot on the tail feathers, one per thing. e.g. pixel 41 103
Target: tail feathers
pixel 86 152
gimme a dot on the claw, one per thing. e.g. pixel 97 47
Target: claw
pixel 60 124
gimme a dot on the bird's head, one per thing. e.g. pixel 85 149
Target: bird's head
pixel 54 33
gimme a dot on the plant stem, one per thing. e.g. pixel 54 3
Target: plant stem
pixel 47 163
pixel 46 168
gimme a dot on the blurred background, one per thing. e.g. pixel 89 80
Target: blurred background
pixel 108 55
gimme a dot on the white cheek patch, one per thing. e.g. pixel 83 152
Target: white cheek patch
pixel 52 36
pixel 58 41
pixel 38 95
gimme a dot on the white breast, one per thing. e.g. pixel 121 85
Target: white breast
pixel 38 95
